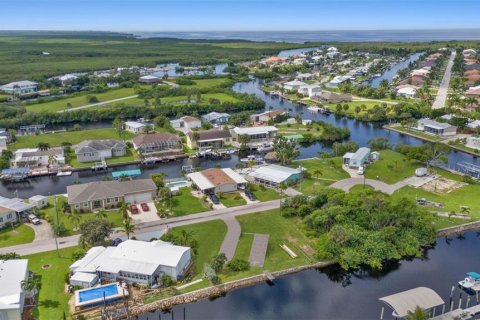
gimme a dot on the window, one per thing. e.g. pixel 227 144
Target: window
pixel 77 206
pixel 108 200
pixel 116 199
pixel 9 216
pixel 1 219
pixel 85 204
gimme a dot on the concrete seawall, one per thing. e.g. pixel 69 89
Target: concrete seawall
pixel 458 229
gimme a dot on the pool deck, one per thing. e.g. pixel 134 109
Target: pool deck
pixel 121 292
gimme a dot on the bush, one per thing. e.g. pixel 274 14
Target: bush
pixel 167 281
pixel 238 265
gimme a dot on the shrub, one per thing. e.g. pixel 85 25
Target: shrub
pixel 167 281
pixel 238 265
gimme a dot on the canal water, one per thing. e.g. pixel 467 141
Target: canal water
pixel 332 294
pixel 390 73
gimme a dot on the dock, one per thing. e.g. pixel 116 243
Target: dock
pixel 268 275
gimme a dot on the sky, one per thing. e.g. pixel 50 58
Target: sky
pixel 237 15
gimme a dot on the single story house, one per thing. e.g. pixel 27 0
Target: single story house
pixel 336 81
pixel 407 92
pixel 473 92
pixel 209 139
pixel 436 128
pixel 293 85
pixel 310 90
pixel 38 201
pixel 473 142
pixel 134 126
pixel 273 175
pixel 304 76
pixel 149 79
pixel 474 124
pixel 7 217
pixel 357 159
pixel 257 135
pixel 98 150
pixel 266 116
pixel 20 87
pixel 16 205
pixel 34 157
pixel 163 143
pixel 469 53
pixel 133 261
pixel 216 180
pixel 12 296
pixel 216 118
pixel 332 97
pixel 186 122
pixel 106 194
pixel 67 78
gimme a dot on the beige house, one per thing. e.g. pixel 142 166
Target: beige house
pixel 216 180
pixel 209 139
pixel 163 143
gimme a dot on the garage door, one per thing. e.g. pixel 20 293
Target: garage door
pixel 137 198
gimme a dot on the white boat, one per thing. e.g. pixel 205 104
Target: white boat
pixel 313 109
pixel 472 279
pixel 64 173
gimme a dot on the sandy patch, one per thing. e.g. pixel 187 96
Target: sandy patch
pixel 442 185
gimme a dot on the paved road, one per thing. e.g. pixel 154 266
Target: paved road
pixel 98 104
pixel 234 230
pixel 49 244
pixel 347 184
pixel 443 90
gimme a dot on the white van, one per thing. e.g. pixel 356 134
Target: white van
pixel 361 170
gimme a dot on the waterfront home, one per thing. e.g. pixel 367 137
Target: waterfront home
pixel 304 76
pixel 34 157
pixel 475 124
pixel 98 150
pixel 332 97
pixel 133 261
pixel 273 175
pixel 473 92
pixel 38 201
pixel 149 79
pixel 336 81
pixel 473 142
pixel 310 90
pixel 274 60
pixel 357 159
pixel 7 217
pixel 216 180
pixel 266 116
pixel 407 92
pixel 16 205
pixel 257 136
pixel 209 139
pixel 20 87
pixel 135 127
pixel 32 129
pixel 436 128
pixel 293 85
pixel 163 143
pixel 12 296
pixel 186 123
pixel 100 195
pixel 469 53
pixel 216 118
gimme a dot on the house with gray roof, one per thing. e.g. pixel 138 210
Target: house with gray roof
pixel 216 117
pixel 20 87
pixel 100 195
pixel 98 150
pixel 209 139
pixel 163 143
pixel 357 159
pixel 436 128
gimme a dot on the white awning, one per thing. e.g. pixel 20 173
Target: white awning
pixel 200 181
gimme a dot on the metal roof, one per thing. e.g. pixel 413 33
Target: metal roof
pixel 254 130
pixel 434 124
pixel 408 301
pixel 360 154
pixel 12 273
pixel 274 173
pixel 15 204
pixel 128 173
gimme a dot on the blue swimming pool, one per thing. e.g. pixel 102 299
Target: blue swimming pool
pixel 179 184
pixel 98 293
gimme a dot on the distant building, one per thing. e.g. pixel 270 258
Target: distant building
pixel 216 180
pixel 20 87
pixel 304 76
pixel 186 123
pixel 332 97
pixel 67 79
pixel 436 128
pixel 134 126
pixel 293 85
pixel 12 296
pixel 357 159
pixel 310 90
pixel 273 175
pixel 163 143
pixel 216 118
pixel 35 157
pixel 266 116
pixel 97 150
pixel 473 142
pixel 407 92
pixel 149 79
pixel 38 201
pixel 258 136
pixel 133 261
pixel 469 53
pixel 336 81
pixel 209 139
pixel 3 143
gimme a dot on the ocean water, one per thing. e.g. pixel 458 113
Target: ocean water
pixel 312 36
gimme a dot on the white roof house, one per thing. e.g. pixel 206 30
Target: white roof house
pixel 12 273
pixel 474 124
pixel 293 85
pixel 407 92
pixel 310 90
pixel 136 261
pixel 134 126
pixel 15 204
pixel 19 87
pixel 254 130
pixel 275 174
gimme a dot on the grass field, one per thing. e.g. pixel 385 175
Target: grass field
pixel 421 135
pixel 74 137
pixel 392 167
pixel 208 83
pixel 20 235
pixel 80 100
pixel 331 171
pixel 352 104
pixel 185 203
pixel 232 200
pixel 316 129
pixel 263 193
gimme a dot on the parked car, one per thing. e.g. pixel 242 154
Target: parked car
pixel 34 219
pixel 250 195
pixel 134 209
pixel 145 207
pixel 116 242
pixel 214 199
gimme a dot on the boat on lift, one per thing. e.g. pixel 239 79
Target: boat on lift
pixel 472 280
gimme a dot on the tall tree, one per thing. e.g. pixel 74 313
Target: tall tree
pixel 285 150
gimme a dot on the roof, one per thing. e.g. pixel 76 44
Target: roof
pixel 32 152
pixel 149 77
pixel 155 138
pixel 129 173
pixel 12 273
pixel 190 119
pixel 409 300
pixel 294 83
pixel 83 277
pixel 214 177
pixel 254 130
pixel 4 210
pixel 407 90
pixel 134 124
pixel 19 84
pixel 15 204
pixel 294 137
pixel 37 198
pixel 97 145
pixel 107 189
pixel 131 256
pixel 361 153
pixel 434 124
pixel 214 116
pixel 274 173
pixel 474 275
pixel 327 95
pixel 213 134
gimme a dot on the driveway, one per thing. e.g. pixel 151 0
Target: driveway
pixel 230 242
pixel 145 216
pixel 442 93
pixel 347 184
pixel 42 231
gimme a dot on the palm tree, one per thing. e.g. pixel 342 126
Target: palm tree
pixel 418 314
pixel 32 285
pixel 317 172
pixel 124 211
pixel 282 186
pixel 43 146
pixel 128 227
pixel 100 214
pixel 465 210
pixel 75 218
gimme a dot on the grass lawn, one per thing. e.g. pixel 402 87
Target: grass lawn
pixel 232 200
pixel 80 100
pixel 316 129
pixel 421 135
pixel 129 157
pixel 331 171
pixel 50 214
pixel 74 137
pixel 244 246
pixel 208 83
pixel 352 104
pixel 185 203
pixel 263 193
pixel 392 167
pixel 52 300
pixel 22 234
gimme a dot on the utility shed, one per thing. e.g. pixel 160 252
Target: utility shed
pixel 408 301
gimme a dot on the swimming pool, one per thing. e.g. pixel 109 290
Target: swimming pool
pixel 178 184
pixel 98 293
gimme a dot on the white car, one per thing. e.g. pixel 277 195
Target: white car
pixel 33 219
pixel 361 171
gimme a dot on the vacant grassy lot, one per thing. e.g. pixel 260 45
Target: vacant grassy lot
pixel 232 200
pixel 208 83
pixel 353 104
pixel 74 137
pixel 263 193
pixel 392 167
pixel 185 203
pixel 20 235
pixel 329 171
